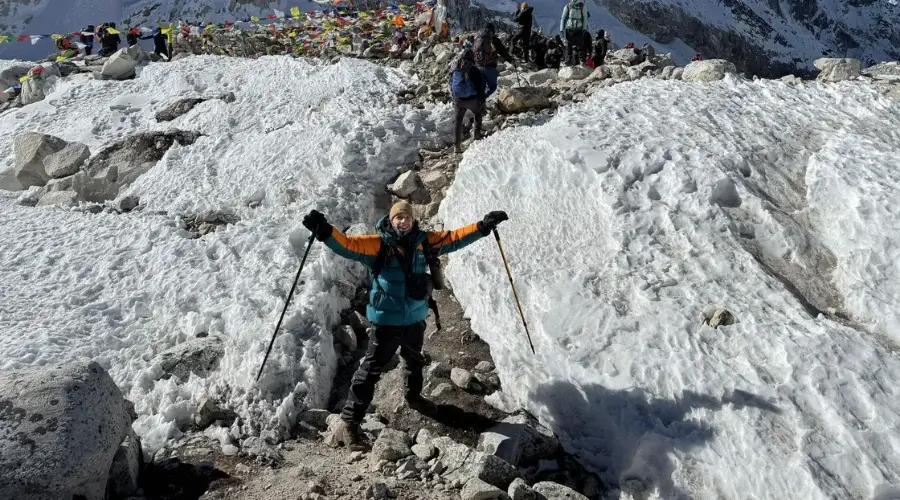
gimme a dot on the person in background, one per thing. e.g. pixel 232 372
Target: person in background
pixel 573 23
pixel 525 18
pixel 467 86
pixel 487 46
pixel 87 39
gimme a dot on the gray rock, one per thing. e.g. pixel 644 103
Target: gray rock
pixel 372 423
pixel 677 73
pixel 463 463
pixel 391 445
pixel 721 317
pixel 666 73
pixel 60 427
pixel 437 370
pixel 424 436
pixel 66 161
pixel 208 412
pixel 122 64
pixel 8 180
pixel 442 389
pixel 59 184
pixel 520 440
pixel 476 489
pixel 256 447
pixel 316 417
pixel 836 69
pixel 425 451
pixel 10 76
pixel 490 381
pixel 64 199
pixel 128 203
pixel 519 490
pixel 568 73
pixel 434 179
pixel 547 490
pixel 708 70
pixel 178 108
pixel 197 356
pixel 628 57
pixel 378 491
pixel 126 467
pixel 484 366
pixel 33 89
pixel 346 336
pixel 517 100
pixel 405 185
pixel 462 378
pixel 31 148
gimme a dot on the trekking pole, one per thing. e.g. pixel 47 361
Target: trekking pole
pixel 312 238
pixel 515 293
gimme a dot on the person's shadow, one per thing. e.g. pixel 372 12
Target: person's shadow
pixel 627 436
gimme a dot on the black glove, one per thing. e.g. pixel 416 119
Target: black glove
pixel 490 221
pixel 317 224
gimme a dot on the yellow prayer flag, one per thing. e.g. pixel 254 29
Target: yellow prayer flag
pixel 113 31
pixel 295 12
pixel 23 79
pixel 56 37
pixel 4 38
pixel 60 58
pixel 254 19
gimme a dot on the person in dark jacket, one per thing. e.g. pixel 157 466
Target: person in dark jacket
pixel 525 18
pixel 599 52
pixel 555 52
pixel 473 95
pixel 540 51
pixel 397 305
pixel 486 48
pixel 87 38
pixel 109 42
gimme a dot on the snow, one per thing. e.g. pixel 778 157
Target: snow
pixel 121 289
pixel 778 203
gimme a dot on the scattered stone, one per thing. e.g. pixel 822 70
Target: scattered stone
pixel 66 161
pixel 316 417
pixel 197 356
pixel 708 70
pixel 391 445
pixel 437 370
pixel 462 378
pixel 256 447
pixel 484 366
pixel 520 440
pixel 424 436
pixel 490 382
pixel 837 70
pixel 434 180
pixel 425 451
pixel 476 489
pixel 721 317
pixel 463 463
pixel 31 149
pixel 208 412
pixel 71 412
pixel 522 99
pixel 441 390
pixel 555 491
pixel 128 203
pixel 405 185
pixel 568 73
pixel 519 490
pixel 378 491
pixel 346 336
pixel 372 423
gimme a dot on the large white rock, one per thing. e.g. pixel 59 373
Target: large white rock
pixel 541 77
pixel 837 69
pixel 708 70
pixel 522 99
pixel 40 78
pixel 476 489
pixel 10 76
pixel 66 161
pixel 31 149
pixel 626 56
pixel 883 69
pixel 121 65
pixel 60 427
pixel 406 184
pixel 579 72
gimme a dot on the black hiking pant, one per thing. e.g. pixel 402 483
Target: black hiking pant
pixel 463 105
pixel 382 347
pixel 575 43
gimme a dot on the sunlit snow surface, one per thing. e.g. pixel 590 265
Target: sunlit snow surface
pixel 638 211
pixel 123 288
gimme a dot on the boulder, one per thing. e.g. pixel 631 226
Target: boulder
pixel 121 163
pixel 548 490
pixel 31 149
pixel 65 199
pixel 434 180
pixel 197 356
pixel 666 73
pixel 346 336
pixel 519 490
pixel 677 73
pixel 708 70
pixel 568 73
pixel 462 378
pixel 663 60
pixel 837 69
pixel 8 180
pixel 627 57
pixel 208 412
pixel 10 76
pixel 60 428
pixel 599 73
pixel 617 72
pixel 39 78
pixel 520 440
pixel 425 451
pixel 522 99
pixel 66 161
pixel 541 77
pixel 405 185
pixel 721 317
pixel 484 366
pixel 122 64
pixel 791 80
pixel 391 445
pixel 476 489
pixel 463 463
pixel 124 474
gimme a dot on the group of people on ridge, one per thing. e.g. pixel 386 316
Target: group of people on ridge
pixel 110 39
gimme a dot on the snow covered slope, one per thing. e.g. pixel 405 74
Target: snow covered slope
pixel 628 224
pixel 123 288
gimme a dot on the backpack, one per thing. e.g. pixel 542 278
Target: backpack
pixel 430 258
pixel 460 85
pixel 575 20
pixel 485 54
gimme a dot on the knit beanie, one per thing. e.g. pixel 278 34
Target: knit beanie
pixel 402 207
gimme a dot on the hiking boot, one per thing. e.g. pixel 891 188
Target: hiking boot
pixel 345 434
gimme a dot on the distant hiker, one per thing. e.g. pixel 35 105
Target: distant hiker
pixel 109 40
pixel 554 52
pixel 160 43
pixel 586 42
pixel 649 51
pixel 525 18
pixel 600 48
pixel 573 23
pixel 697 57
pixel 467 86
pixel 133 36
pixel 65 48
pixel 540 52
pixel 398 301
pixel 486 48
pixel 87 39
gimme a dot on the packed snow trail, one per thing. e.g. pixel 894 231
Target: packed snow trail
pixel 123 288
pixel 635 213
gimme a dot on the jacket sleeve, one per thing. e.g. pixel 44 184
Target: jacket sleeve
pixel 477 79
pixel 444 242
pixel 563 19
pixel 501 49
pixel 359 248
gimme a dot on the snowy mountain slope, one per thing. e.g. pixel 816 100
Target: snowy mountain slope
pixel 123 288
pixel 776 202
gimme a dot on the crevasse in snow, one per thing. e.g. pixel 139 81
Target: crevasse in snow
pixel 635 213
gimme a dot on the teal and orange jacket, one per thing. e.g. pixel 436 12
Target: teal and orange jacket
pixel 388 302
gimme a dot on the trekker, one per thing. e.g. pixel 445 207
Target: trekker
pixel 87 39
pixel 398 301
pixel 525 18
pixel 573 23
pixel 467 86
pixel 487 46
pixel 109 41
pixel 599 55
pixel 160 43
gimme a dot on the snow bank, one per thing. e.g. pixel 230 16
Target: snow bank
pixel 638 211
pixel 123 288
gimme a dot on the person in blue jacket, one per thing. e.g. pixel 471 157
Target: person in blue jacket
pixel 398 301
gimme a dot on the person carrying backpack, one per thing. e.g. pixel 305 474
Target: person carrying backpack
pixel 109 41
pixel 600 48
pixel 467 86
pixel 573 23
pixel 486 48
pixel 525 18
pixel 398 302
